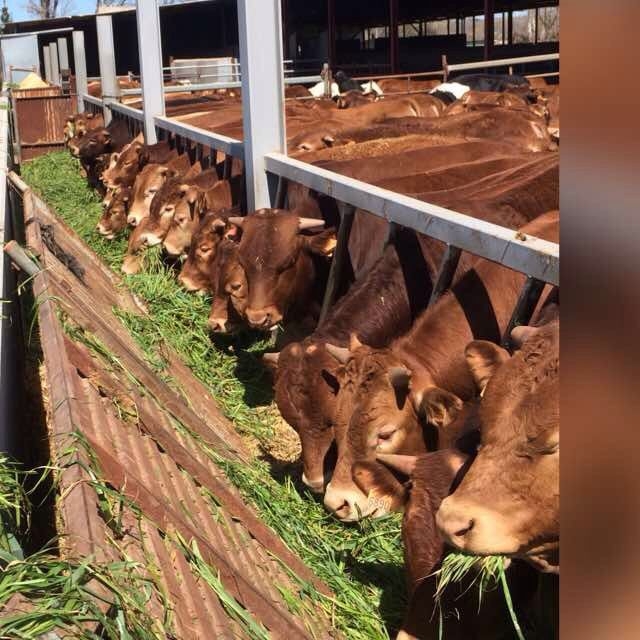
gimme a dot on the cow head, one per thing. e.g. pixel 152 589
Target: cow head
pixel 196 272
pixel 124 169
pixel 94 143
pixel 352 99
pixel 382 410
pixel 508 502
pixel 277 260
pixel 178 199
pixel 114 217
pixel 186 220
pixel 132 262
pixel 306 388
pixel 229 287
pixel 145 187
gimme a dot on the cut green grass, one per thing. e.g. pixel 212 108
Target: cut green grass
pixel 361 563
pixel 44 593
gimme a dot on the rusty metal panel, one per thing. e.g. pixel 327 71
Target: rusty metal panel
pixel 172 486
pixel 40 122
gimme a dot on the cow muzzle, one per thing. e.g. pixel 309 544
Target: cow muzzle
pixel 263 319
pixel 474 529
pixel 349 504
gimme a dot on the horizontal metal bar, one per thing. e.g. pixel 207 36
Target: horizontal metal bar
pixel 230 146
pixel 92 99
pixel 126 110
pixel 35 33
pixel 503 62
pixel 206 86
pixel 533 256
pixel 551 74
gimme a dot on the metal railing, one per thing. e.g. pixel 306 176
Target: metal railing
pixel 537 258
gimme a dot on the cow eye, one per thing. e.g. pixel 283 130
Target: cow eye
pixel 128 164
pixel 169 209
pixel 235 286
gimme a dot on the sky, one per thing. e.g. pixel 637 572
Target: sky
pixel 76 7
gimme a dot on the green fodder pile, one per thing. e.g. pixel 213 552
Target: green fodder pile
pixel 362 563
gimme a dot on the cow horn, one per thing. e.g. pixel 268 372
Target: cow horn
pixel 309 223
pixel 341 354
pixel 404 464
pixel 237 220
pixel 354 342
pixel 271 358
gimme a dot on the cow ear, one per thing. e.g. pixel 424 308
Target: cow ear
pixel 400 380
pixel 483 359
pixel 322 243
pixel 440 407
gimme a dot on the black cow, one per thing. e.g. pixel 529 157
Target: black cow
pixel 345 83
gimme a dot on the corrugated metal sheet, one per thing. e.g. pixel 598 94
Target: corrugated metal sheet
pixel 173 487
pixel 40 122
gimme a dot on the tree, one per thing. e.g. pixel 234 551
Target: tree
pixel 5 16
pixel 48 8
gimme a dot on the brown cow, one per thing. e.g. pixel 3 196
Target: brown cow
pixel 107 139
pixel 278 264
pixel 180 195
pixel 229 288
pixel 78 124
pixel 473 99
pixel 218 199
pixel 306 379
pixel 353 99
pixel 521 128
pixel 463 617
pixel 133 158
pixel 114 216
pixel 319 134
pixel 148 183
pixel 405 398
pixel 508 502
pixel 196 273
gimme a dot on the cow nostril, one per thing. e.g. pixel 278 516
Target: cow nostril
pixel 463 532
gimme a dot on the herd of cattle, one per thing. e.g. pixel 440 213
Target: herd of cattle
pixel 398 405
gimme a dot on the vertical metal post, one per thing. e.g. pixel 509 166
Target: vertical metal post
pixel 510 28
pixel 331 32
pixel 107 60
pixel 340 256
pixel 394 46
pixel 63 54
pixel 150 52
pixel 55 68
pixel 446 271
pixel 80 63
pixel 46 54
pixel 526 305
pixel 488 28
pixel 262 93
